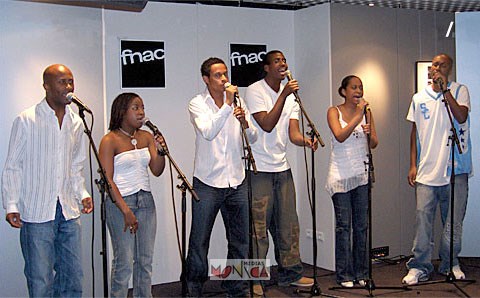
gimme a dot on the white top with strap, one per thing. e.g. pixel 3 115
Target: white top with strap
pixel 347 168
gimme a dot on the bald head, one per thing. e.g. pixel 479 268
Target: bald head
pixel 57 82
pixel 53 71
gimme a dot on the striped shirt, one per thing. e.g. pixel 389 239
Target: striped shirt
pixel 44 164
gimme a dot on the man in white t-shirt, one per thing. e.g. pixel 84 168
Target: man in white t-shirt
pixel 276 115
pixel 430 169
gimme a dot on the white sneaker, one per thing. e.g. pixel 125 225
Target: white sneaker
pixel 362 283
pixel 347 284
pixel 414 276
pixel 458 272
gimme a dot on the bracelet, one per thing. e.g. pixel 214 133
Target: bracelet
pixel 445 91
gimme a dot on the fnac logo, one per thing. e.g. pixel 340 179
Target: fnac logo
pixel 130 57
pixel 249 58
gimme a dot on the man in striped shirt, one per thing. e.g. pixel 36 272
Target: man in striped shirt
pixel 43 188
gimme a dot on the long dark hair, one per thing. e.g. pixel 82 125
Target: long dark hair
pixel 346 80
pixel 119 108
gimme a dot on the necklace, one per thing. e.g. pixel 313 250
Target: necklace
pixel 132 137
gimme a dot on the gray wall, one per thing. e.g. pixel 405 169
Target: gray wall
pixel 381 45
pixel 313 67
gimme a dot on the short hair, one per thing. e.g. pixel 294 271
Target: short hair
pixel 207 64
pixel 346 80
pixel 269 55
pixel 446 56
pixel 119 108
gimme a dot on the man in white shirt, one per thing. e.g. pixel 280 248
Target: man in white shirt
pixel 43 188
pixel 276 117
pixel 430 169
pixel 219 175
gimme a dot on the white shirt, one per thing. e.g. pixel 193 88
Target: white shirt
pixel 218 142
pixel 270 151
pixel 428 112
pixel 347 169
pixel 44 164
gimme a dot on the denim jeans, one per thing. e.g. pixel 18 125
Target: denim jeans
pixel 233 204
pixel 132 253
pixel 428 197
pixel 274 209
pixel 351 213
pixel 52 253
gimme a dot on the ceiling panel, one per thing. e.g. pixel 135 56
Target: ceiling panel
pixel 436 5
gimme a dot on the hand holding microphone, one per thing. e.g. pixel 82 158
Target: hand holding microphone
pixel 292 85
pixel 232 93
pixel 238 112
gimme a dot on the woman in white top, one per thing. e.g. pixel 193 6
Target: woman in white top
pixel 126 153
pixel 347 180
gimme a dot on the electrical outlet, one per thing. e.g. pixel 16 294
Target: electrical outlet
pixel 320 236
pixel 309 233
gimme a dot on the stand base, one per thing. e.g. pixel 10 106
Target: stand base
pixel 314 291
pixel 450 279
pixel 370 287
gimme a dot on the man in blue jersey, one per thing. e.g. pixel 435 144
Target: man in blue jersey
pixel 430 168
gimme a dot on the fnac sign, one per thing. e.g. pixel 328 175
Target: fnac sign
pixel 142 63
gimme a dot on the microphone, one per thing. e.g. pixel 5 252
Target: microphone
pixel 73 98
pixel 288 74
pixel 235 95
pixel 163 150
pixel 152 126
pixel 439 82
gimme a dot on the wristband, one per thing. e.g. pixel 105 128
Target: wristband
pixel 445 91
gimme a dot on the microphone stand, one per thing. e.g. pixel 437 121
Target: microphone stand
pixel 250 164
pixel 103 185
pixel 183 187
pixel 313 133
pixel 453 142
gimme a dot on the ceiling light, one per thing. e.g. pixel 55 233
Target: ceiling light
pixel 449 29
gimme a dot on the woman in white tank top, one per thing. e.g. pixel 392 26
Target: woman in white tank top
pixel 347 180
pixel 126 153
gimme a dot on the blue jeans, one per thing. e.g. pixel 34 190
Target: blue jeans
pixel 428 197
pixel 53 246
pixel 351 212
pixel 233 204
pixel 274 209
pixel 132 253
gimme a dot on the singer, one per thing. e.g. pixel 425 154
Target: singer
pixel 126 153
pixel 276 115
pixel 430 173
pixel 347 180
pixel 43 188
pixel 219 175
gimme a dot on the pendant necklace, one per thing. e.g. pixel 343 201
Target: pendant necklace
pixel 132 137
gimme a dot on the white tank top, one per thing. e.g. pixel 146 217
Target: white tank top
pixel 347 169
pixel 130 172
